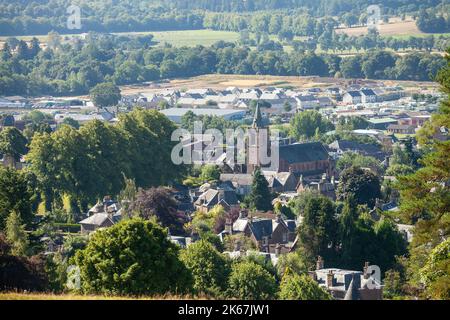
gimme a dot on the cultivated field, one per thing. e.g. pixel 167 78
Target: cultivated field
pixel 395 27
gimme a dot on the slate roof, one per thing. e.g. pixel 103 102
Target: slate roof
pixel 368 92
pixel 261 228
pixel 303 152
pixel 354 93
pixel 211 197
pixel 97 219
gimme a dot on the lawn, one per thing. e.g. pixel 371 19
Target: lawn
pixel 175 38
pixel 193 37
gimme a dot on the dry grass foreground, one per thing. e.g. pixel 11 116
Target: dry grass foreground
pixel 50 296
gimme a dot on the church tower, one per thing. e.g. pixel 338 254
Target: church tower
pixel 253 143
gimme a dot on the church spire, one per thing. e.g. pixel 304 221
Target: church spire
pixel 257 119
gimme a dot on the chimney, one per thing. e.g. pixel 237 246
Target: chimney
pixel 228 226
pixel 365 269
pixel 319 263
pixel 330 279
pixel 241 214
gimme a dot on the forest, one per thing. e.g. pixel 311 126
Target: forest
pixel 40 17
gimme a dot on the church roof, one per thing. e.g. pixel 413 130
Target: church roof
pixel 303 152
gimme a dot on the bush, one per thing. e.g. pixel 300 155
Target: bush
pixel 249 281
pixel 133 257
pixel 301 287
pixel 209 267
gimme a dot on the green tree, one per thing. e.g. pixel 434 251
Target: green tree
pixel 301 287
pixel 14 195
pixel 317 233
pixel 305 124
pixel 209 268
pixel 16 234
pixel 425 195
pixel 363 184
pixel 13 143
pixel 260 197
pixel 434 274
pixel 353 159
pixel 105 95
pixel 250 281
pixel 71 122
pixel 133 257
pixel 210 172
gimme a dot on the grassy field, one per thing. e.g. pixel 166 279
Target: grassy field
pixel 175 38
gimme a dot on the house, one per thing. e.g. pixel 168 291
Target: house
pixel 348 284
pixel 280 181
pixel 242 182
pixel 307 102
pixel 401 128
pixel 325 186
pixel 352 97
pixel 368 96
pixel 212 197
pixel 339 147
pixel 96 221
pixel 102 215
pixel 381 123
pixel 268 234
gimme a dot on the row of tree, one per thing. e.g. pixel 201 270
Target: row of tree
pixel 74 69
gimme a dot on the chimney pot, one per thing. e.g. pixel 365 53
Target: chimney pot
pixel 319 263
pixel 330 279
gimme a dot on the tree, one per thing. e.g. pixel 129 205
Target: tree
pixel 292 262
pixel 133 257
pixel 159 203
pixel 260 197
pixel 249 281
pixel 305 124
pixel 13 143
pixel 71 122
pixel 425 196
pixel 16 234
pixel 209 268
pixel 317 233
pixel 399 170
pixel 14 195
pixel 127 196
pixel 210 172
pixel 363 184
pixel 434 274
pixel 105 95
pixel 301 287
pixel 350 159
